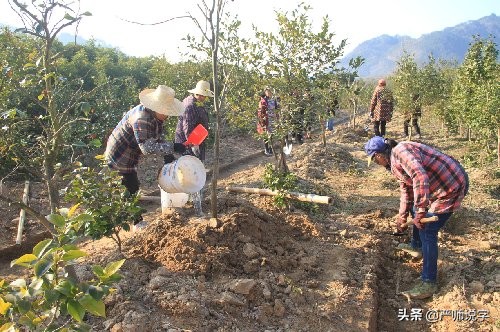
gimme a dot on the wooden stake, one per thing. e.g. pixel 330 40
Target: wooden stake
pixel 22 214
pixel 293 195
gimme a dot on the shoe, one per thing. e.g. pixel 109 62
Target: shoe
pixel 414 252
pixel 417 136
pixel 267 153
pixel 139 226
pixel 422 290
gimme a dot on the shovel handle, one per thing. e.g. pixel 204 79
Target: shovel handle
pixel 423 220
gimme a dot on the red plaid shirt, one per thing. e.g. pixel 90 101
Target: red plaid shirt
pixel 139 132
pixel 429 179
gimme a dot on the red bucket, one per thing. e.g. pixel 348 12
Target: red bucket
pixel 197 136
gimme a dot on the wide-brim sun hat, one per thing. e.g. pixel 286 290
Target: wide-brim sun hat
pixel 161 100
pixel 202 88
pixel 374 145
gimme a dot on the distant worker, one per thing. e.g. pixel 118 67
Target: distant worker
pixel 140 131
pixel 381 107
pixel 267 116
pixel 431 184
pixel 331 111
pixel 194 115
pixel 413 116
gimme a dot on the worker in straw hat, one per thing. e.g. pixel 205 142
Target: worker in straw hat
pixel 431 184
pixel 140 131
pixel 195 114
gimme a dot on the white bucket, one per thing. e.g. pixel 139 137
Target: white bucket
pixel 172 200
pixel 185 175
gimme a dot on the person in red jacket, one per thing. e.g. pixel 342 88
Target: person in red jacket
pixel 431 184
pixel 267 116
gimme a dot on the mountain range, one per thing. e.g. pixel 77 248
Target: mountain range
pixel 382 53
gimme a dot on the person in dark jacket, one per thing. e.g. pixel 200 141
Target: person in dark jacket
pixel 413 116
pixel 431 184
pixel 381 107
pixel 194 115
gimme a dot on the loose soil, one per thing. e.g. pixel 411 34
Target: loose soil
pixel 308 267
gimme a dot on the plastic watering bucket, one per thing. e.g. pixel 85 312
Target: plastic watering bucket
pixel 184 175
pixel 172 200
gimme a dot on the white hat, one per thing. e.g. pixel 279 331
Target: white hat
pixel 161 100
pixel 202 88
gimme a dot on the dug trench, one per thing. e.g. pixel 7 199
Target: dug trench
pixel 313 268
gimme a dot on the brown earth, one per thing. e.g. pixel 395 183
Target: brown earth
pixel 313 267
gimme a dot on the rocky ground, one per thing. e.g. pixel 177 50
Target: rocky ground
pixel 313 267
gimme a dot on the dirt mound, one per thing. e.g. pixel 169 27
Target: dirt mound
pixel 247 240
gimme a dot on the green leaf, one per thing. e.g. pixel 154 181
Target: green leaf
pixel 41 246
pixel 76 310
pixel 64 287
pixel 93 306
pixel 95 143
pixel 85 108
pixel 68 17
pixel 113 267
pixel 42 266
pixel 73 254
pixel 56 219
pixel 51 296
pixel 4 306
pixel 84 217
pixel 24 260
pixel 87 14
pixel 24 306
pixel 96 292
pixel 98 271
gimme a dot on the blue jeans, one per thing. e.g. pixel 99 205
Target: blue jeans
pixel 427 240
pixel 329 124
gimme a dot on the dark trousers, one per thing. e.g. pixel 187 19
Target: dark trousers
pixel 379 128
pixel 414 122
pixel 131 182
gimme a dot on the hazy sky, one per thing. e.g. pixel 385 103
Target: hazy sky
pixel 356 20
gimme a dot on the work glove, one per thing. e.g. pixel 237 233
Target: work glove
pixel 416 221
pixel 168 158
pixel 400 224
pixel 179 148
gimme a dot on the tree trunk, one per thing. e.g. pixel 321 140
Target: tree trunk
pixel 217 105
pixel 354 114
pixel 52 188
pixel 498 146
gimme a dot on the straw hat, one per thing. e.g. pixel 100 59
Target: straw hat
pixel 161 100
pixel 202 88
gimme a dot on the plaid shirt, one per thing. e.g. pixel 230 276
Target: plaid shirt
pixel 429 179
pixel 139 132
pixel 194 114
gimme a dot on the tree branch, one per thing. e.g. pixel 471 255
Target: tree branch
pixel 155 23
